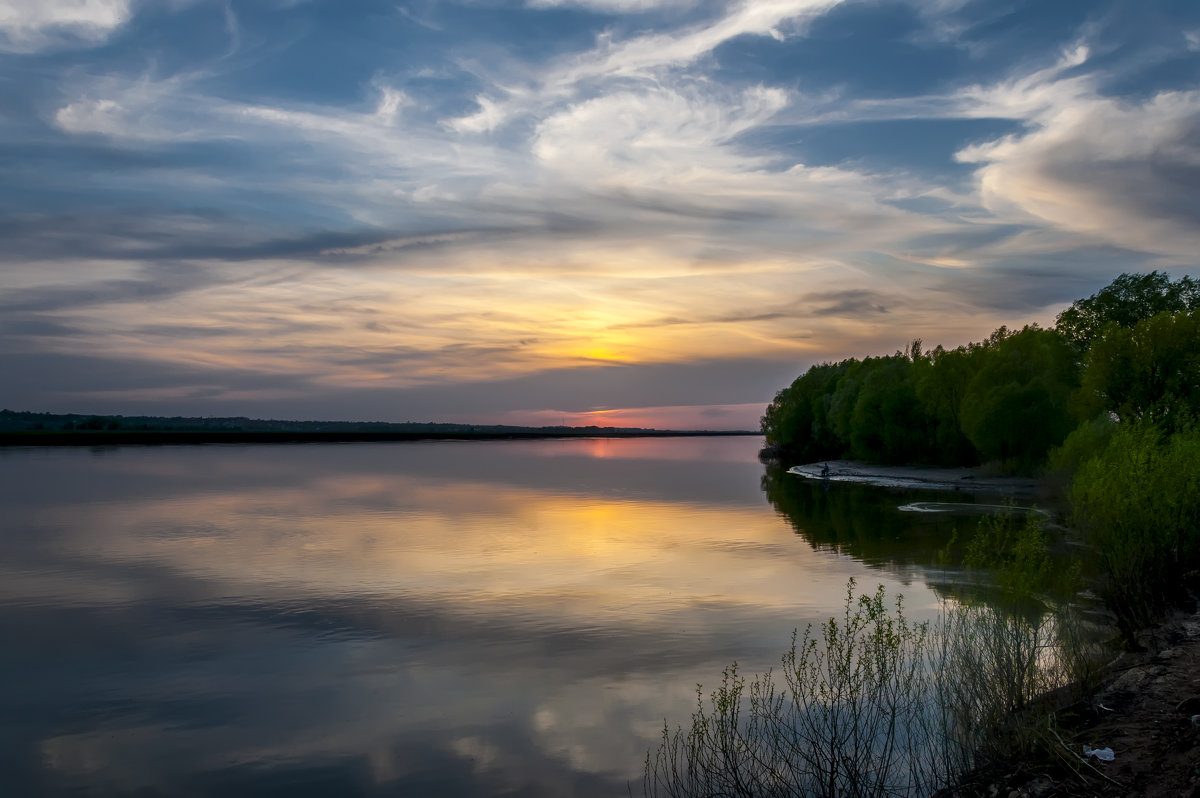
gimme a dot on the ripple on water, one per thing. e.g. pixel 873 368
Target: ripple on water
pixel 968 508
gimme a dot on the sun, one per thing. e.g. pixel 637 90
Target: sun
pixel 601 353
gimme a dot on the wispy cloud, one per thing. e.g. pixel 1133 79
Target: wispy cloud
pixel 650 58
pixel 31 25
pixel 605 186
pixel 641 55
pixel 1123 171
pixel 613 6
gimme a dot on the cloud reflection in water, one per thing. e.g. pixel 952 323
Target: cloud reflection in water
pixel 459 619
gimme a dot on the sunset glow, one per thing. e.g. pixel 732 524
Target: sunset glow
pixel 534 210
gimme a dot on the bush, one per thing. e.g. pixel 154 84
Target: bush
pixel 1087 441
pixel 1002 675
pixel 871 704
pixel 1138 505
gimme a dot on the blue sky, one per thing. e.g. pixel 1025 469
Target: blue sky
pixel 599 211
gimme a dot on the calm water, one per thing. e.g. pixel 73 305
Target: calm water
pixel 459 619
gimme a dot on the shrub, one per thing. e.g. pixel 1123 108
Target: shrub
pixel 1138 505
pixel 1002 675
pixel 1085 442
pixel 871 704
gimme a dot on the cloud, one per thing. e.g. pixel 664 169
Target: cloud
pixel 161 281
pixel 852 304
pixel 642 55
pixel 1096 168
pixel 648 57
pixel 372 162
pixel 640 190
pixel 613 6
pixel 611 167
pixel 71 381
pixel 616 138
pixel 171 109
pixel 27 26
pixel 1122 171
pixel 137 111
pixel 489 117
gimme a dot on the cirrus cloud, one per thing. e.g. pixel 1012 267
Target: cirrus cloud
pixel 32 25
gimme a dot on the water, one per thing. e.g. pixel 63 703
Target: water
pixel 444 618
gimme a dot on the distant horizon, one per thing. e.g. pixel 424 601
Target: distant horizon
pixel 212 418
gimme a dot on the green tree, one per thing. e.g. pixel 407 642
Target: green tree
pixel 888 424
pixel 844 399
pixel 1017 405
pixel 941 381
pixel 796 422
pixel 1151 370
pixel 1124 302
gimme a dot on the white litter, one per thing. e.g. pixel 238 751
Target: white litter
pixel 1103 754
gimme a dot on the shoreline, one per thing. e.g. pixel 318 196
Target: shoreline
pixel 199 437
pixel 1143 708
pixel 1144 705
pixel 923 477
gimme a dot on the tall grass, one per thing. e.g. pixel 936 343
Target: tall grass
pixel 869 704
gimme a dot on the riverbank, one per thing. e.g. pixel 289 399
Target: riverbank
pixel 1146 710
pixel 1146 707
pixel 964 479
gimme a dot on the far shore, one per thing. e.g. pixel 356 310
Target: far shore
pixel 964 479
pixel 165 437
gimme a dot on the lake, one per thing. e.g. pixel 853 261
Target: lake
pixel 442 618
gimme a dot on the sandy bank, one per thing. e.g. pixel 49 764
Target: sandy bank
pixel 965 479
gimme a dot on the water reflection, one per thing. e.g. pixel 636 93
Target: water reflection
pixel 865 522
pixel 877 526
pixel 376 619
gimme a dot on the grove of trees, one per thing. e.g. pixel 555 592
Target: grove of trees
pixel 1127 353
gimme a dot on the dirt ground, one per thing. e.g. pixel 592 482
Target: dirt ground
pixel 1147 710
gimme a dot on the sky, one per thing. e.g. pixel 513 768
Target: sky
pixel 614 212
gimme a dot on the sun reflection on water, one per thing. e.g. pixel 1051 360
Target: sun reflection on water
pixel 462 619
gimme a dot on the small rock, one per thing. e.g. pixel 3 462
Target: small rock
pixel 1189 706
pixel 1039 788
pixel 1131 681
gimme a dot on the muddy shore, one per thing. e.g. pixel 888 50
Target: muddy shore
pixel 1146 710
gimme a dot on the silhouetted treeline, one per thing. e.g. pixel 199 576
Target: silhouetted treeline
pixel 19 421
pixel 1129 352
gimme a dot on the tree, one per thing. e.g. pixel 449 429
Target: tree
pixel 1017 405
pixel 1151 370
pixel 941 381
pixel 1124 302
pixel 887 423
pixel 797 423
